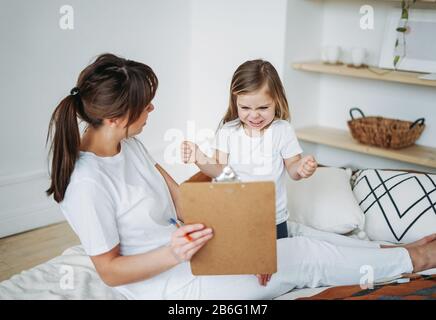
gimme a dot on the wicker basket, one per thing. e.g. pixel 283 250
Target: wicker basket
pixel 384 132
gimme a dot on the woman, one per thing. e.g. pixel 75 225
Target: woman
pixel 119 200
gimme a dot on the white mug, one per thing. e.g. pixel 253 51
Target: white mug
pixel 358 56
pixel 330 54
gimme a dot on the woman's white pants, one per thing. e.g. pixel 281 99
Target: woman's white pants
pixel 310 258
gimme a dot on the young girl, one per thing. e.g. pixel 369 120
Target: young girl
pixel 117 199
pixel 255 137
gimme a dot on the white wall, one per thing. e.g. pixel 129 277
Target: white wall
pixel 303 43
pixel 225 34
pixel 194 46
pixel 336 95
pixel 40 63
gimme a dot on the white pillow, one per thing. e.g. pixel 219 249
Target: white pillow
pixel 325 201
pixel 406 213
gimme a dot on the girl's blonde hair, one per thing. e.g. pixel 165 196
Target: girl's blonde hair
pixel 252 76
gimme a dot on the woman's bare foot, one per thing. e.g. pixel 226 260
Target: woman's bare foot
pixel 418 243
pixel 423 257
pixel 421 242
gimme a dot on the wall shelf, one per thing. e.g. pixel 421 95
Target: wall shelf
pixel 416 154
pixel 366 73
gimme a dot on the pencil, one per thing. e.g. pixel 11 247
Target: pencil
pixel 174 222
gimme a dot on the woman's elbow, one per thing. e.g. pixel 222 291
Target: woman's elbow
pixel 105 266
pixel 110 280
pixel 107 275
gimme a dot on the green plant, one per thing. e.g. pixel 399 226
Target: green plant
pixel 402 29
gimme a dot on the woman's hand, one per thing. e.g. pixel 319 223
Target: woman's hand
pixel 182 248
pixel 306 166
pixel 188 151
pixel 263 278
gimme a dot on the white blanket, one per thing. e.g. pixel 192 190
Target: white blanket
pixel 68 276
pixel 51 281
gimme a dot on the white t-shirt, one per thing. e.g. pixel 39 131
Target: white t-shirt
pixel 124 200
pixel 261 158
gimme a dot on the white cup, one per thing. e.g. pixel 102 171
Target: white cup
pixel 330 54
pixel 358 56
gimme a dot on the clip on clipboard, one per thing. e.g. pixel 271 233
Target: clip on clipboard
pixel 242 216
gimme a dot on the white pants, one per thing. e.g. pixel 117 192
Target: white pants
pixel 311 258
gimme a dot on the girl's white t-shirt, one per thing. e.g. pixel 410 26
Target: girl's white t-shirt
pixel 261 158
pixel 124 200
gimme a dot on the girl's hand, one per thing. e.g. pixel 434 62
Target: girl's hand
pixel 182 248
pixel 188 151
pixel 307 166
pixel 263 278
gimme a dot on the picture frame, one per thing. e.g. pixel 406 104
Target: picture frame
pixel 420 49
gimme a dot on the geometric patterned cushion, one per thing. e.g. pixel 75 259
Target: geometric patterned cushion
pixel 399 206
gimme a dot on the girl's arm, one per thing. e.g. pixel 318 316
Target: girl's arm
pixel 210 166
pixel 173 186
pixel 300 167
pixel 115 269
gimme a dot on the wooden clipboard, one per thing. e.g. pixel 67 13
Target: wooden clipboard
pixel 242 216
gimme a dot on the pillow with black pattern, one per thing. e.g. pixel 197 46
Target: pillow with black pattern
pixel 399 206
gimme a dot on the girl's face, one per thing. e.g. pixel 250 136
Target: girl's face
pixel 256 110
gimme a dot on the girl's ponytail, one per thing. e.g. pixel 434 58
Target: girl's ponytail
pixel 64 132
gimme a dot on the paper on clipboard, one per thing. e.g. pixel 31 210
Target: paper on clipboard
pixel 242 216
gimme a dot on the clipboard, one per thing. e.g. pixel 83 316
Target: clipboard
pixel 242 216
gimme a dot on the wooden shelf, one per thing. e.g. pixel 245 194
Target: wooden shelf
pixel 416 154
pixel 366 73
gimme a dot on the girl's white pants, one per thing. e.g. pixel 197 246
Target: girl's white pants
pixel 310 258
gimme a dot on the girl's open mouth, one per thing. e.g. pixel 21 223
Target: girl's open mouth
pixel 255 124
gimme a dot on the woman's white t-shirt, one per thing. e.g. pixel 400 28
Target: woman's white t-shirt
pixel 124 200
pixel 261 158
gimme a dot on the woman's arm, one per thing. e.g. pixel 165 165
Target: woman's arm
pixel 115 269
pixel 173 186
pixel 211 166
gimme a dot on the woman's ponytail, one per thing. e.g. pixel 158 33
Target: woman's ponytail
pixel 109 88
pixel 64 132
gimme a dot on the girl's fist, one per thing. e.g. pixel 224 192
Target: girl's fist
pixel 188 151
pixel 307 166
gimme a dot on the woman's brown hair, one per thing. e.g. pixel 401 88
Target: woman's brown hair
pixel 110 87
pixel 252 76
